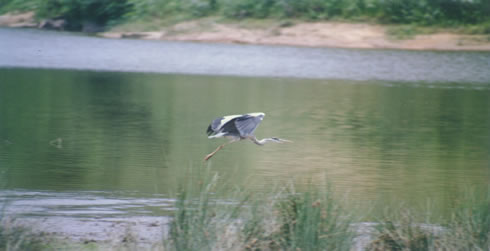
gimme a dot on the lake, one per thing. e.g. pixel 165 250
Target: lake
pixel 119 140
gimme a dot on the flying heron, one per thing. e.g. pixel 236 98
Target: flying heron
pixel 236 128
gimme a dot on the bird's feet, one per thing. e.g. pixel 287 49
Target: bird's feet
pixel 208 157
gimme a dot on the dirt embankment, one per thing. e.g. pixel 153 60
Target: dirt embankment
pixel 314 34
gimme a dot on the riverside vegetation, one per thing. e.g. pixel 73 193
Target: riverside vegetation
pixel 314 219
pixel 468 16
pixel 290 219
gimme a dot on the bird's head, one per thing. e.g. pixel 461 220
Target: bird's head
pixel 278 140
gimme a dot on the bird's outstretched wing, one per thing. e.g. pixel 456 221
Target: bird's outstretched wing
pixel 218 124
pixel 235 125
pixel 247 124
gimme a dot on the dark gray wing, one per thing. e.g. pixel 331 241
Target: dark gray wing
pixel 247 124
pixel 214 126
pixel 216 123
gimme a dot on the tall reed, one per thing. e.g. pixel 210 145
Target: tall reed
pixel 283 220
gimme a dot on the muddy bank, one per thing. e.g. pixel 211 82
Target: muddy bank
pixel 309 34
pixel 143 232
pixel 146 233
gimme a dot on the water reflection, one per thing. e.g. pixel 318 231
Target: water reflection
pixel 146 133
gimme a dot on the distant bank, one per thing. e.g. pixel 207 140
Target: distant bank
pixel 295 33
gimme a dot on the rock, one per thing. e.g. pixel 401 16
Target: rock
pixel 91 27
pixel 53 24
pixel 133 35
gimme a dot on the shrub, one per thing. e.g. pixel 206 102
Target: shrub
pixel 18 5
pixel 247 8
pixel 80 13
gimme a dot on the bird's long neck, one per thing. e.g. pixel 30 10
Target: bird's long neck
pixel 260 142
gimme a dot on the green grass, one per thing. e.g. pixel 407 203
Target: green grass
pixel 482 28
pixel 468 228
pixel 211 214
pixel 409 31
pixel 401 32
pixel 15 238
pixel 311 219
pixel 284 220
pixel 403 230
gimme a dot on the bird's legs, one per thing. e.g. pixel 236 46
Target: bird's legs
pixel 217 149
pixel 214 152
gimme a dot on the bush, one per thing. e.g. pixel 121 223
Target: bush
pixel 18 5
pixel 248 8
pixel 107 12
pixel 428 12
pixel 164 8
pixel 80 13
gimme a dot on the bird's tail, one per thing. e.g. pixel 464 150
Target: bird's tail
pixel 217 135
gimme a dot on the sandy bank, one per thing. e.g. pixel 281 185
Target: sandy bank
pixel 311 34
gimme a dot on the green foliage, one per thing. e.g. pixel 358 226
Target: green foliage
pixel 467 229
pixel 18 5
pixel 247 8
pixel 311 220
pixel 78 13
pixel 483 28
pixel 428 12
pixel 402 32
pixel 192 227
pixel 202 7
pixel 470 224
pixel 312 9
pixel 107 12
pixel 423 12
pixel 162 8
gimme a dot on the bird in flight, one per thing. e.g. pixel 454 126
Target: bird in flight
pixel 236 128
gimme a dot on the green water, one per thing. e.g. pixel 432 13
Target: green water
pixel 145 133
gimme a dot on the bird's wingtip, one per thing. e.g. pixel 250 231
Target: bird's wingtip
pixel 256 114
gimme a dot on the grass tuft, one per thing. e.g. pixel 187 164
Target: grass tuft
pixel 470 223
pixel 284 220
pixel 312 220
pixel 404 233
pixel 15 238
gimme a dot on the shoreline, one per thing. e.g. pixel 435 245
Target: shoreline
pixel 328 34
pixel 331 34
